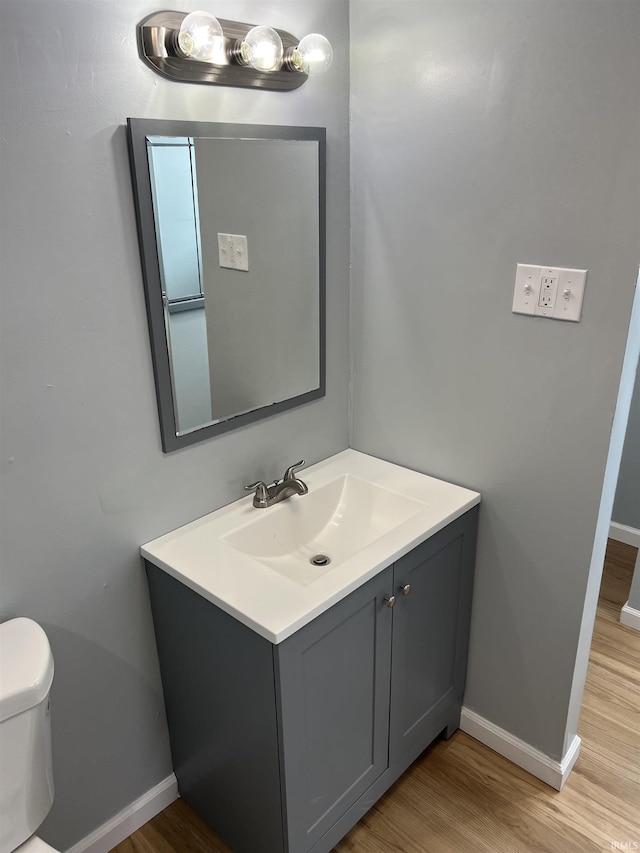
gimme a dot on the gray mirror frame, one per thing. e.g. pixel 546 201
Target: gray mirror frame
pixel 138 131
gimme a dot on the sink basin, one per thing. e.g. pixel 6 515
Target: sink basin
pixel 306 536
pixel 255 564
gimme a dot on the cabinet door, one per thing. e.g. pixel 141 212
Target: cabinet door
pixel 333 677
pixel 430 638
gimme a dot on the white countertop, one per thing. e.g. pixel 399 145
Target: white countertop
pixel 271 603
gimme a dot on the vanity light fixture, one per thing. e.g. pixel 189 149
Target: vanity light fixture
pixel 199 48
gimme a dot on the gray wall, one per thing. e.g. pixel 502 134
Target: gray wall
pixel 626 507
pixel 511 134
pixel 84 480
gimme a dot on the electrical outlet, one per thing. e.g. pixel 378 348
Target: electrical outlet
pixel 548 292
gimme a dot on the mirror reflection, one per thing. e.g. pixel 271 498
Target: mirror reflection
pixel 232 237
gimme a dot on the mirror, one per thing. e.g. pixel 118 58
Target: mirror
pixel 231 224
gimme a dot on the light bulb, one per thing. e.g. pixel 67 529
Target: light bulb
pixel 200 36
pixel 313 55
pixel 261 48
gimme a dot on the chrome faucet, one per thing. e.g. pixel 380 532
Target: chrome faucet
pixel 279 490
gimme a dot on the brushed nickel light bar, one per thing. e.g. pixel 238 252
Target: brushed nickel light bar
pixel 199 48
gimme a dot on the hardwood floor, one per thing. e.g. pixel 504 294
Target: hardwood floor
pixel 460 796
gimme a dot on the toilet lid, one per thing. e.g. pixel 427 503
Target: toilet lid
pixel 35 845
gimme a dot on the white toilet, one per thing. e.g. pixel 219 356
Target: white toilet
pixel 26 771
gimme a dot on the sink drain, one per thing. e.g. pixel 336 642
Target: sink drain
pixel 320 560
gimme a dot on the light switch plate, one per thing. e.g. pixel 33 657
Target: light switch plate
pixel 527 289
pixel 233 252
pixel 571 284
pixel 553 292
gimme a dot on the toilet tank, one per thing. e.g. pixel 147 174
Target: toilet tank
pixel 26 773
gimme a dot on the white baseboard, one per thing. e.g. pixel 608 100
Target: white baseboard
pixel 624 533
pixel 131 818
pixel 554 773
pixel 630 617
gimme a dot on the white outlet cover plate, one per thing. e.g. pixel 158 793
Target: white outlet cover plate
pixel 569 294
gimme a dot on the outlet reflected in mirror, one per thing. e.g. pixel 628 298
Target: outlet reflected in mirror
pixel 231 227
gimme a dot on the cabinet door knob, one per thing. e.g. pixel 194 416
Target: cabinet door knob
pixel 390 599
pixel 406 589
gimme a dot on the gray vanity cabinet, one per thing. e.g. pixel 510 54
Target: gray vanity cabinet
pixel 283 748
pixel 430 639
pixel 333 680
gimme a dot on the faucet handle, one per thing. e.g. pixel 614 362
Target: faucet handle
pixel 289 474
pixel 260 489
